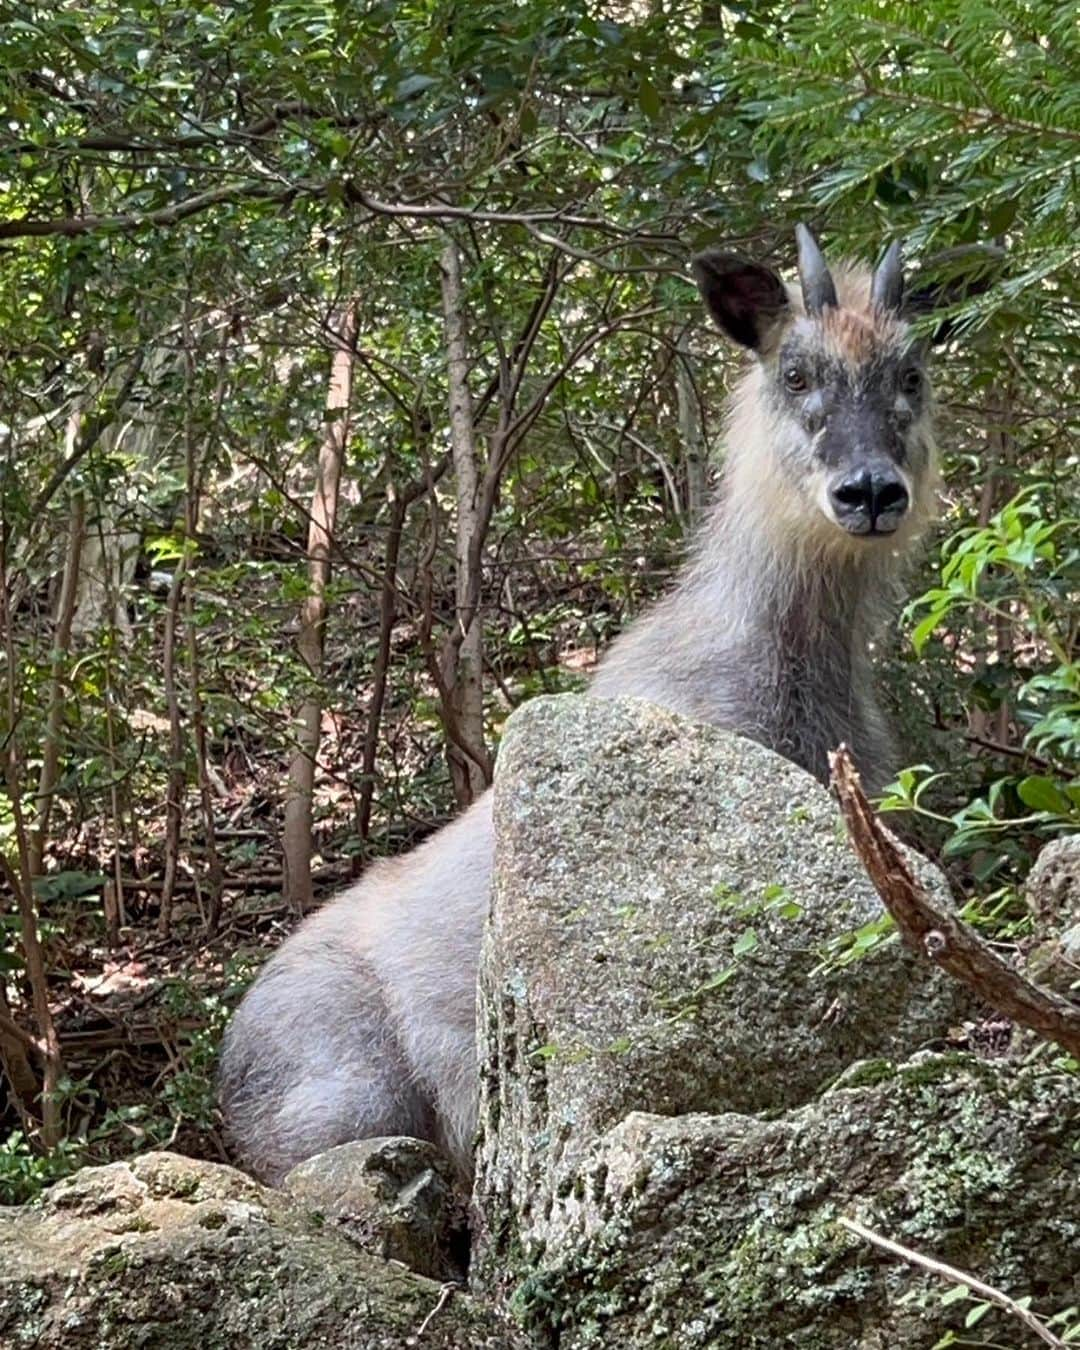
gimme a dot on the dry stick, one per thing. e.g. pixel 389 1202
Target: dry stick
pixel 446 1293
pixel 941 936
pixel 948 1272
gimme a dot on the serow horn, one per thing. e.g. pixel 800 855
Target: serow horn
pixel 817 285
pixel 887 290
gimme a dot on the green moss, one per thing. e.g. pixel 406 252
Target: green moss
pixel 866 1073
pixel 112 1262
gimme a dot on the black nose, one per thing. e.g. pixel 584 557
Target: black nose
pixel 870 501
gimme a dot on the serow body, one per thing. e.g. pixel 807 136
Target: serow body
pixel 363 1023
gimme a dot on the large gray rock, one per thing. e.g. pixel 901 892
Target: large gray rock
pixel 721 1232
pixel 1053 885
pixel 167 1252
pixel 665 895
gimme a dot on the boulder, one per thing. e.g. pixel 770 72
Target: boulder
pixel 1053 884
pixel 672 908
pixel 723 1231
pixel 168 1252
pixel 394 1197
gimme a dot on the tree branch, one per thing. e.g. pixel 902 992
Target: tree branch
pixel 942 937
pixel 948 1272
pixel 166 215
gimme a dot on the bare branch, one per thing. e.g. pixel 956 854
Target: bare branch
pixel 166 215
pixel 444 211
pixel 948 1272
pixel 942 937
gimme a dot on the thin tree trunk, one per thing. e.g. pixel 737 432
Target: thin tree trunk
pixel 21 884
pixel 192 476
pixel 297 836
pixel 467 688
pixel 15 1048
pixel 50 750
pixel 387 616
pixel 691 431
pixel 997 482
pixel 400 501
pixel 177 778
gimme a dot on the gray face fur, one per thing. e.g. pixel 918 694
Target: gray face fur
pixel 842 384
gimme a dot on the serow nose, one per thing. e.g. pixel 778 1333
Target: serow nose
pixel 871 501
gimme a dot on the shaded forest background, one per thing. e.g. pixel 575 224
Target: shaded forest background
pixel 354 390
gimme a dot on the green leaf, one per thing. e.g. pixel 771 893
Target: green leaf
pixel 1042 794
pixel 412 85
pixel 746 942
pixel 976 1314
pixel 648 99
pixel 923 630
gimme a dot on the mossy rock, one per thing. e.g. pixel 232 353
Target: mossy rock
pixel 175 1254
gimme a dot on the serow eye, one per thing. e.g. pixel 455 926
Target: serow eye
pixel 910 380
pixel 794 380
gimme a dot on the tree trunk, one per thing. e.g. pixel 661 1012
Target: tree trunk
pixel 176 783
pixel 20 883
pixel 466 689
pixel 65 611
pixel 691 430
pixel 297 837
pixel 192 498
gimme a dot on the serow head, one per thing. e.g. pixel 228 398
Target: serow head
pixel 841 389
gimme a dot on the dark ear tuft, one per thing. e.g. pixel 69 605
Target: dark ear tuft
pixel 745 300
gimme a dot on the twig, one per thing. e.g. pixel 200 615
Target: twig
pixel 254 881
pixel 446 1293
pixel 942 937
pixel 948 1272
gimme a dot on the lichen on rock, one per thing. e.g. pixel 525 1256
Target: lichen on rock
pixel 680 1097
pixel 396 1197
pixel 168 1252
pixel 721 1230
pixel 664 896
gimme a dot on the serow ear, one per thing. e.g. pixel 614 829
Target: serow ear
pixel 949 278
pixel 745 300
